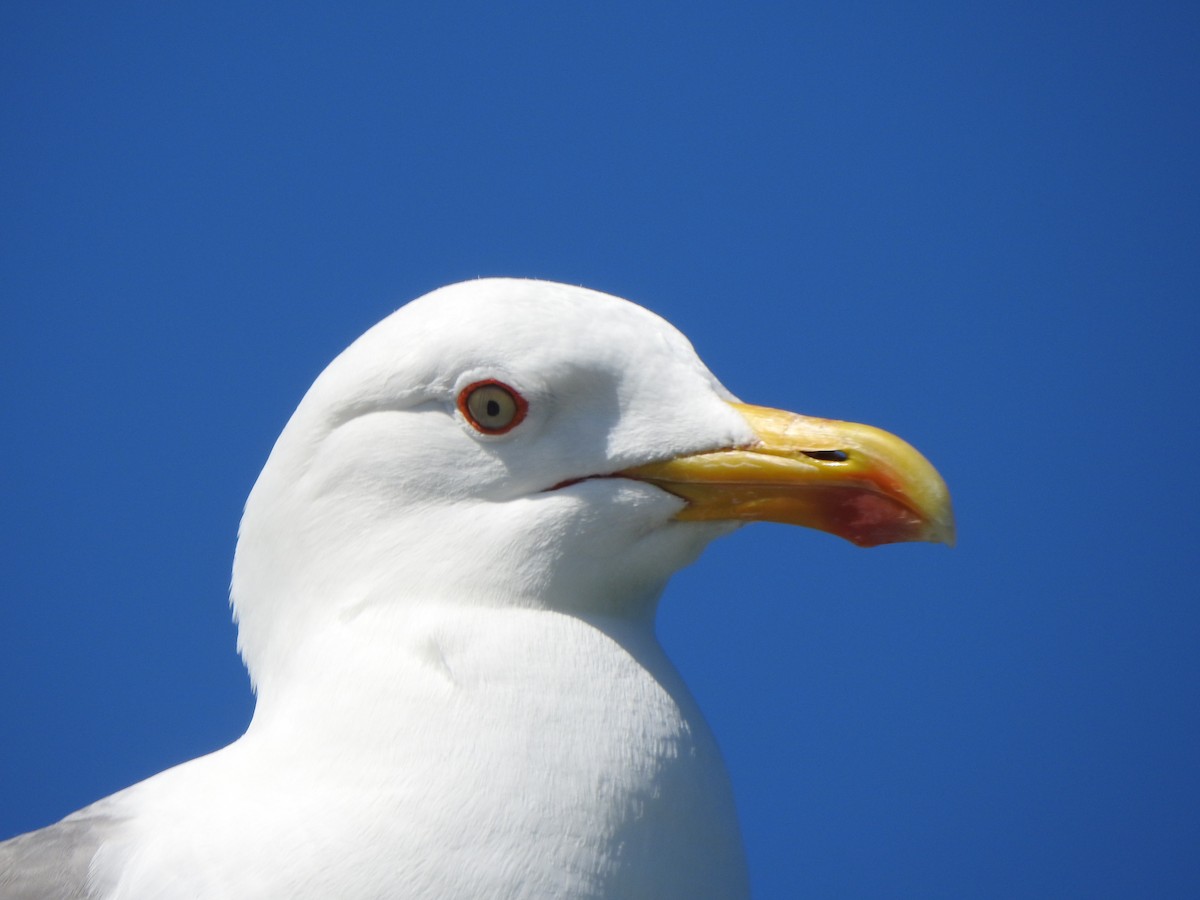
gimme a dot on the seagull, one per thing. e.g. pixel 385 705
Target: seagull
pixel 445 585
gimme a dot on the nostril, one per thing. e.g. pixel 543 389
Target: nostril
pixel 827 455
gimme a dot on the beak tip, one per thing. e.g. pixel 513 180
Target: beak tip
pixel 944 530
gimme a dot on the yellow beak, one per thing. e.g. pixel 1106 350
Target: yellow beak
pixel 855 481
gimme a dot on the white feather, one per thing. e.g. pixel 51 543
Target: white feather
pixel 460 694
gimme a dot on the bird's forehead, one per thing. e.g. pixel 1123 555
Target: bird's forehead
pixel 530 326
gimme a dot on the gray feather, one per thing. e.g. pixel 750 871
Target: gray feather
pixel 52 863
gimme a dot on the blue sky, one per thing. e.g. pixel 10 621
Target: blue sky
pixel 974 225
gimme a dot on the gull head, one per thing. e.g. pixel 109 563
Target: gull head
pixel 506 442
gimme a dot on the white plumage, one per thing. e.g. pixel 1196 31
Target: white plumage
pixel 450 632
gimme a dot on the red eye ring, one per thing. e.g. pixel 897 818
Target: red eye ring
pixel 491 406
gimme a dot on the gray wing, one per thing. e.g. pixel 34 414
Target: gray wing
pixel 52 863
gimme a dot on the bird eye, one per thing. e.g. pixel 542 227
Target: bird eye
pixel 492 407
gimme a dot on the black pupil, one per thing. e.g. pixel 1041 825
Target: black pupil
pixel 493 408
